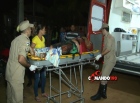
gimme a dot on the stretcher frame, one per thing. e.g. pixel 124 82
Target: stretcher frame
pixel 67 62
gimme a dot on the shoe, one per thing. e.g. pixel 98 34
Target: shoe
pixel 97 96
pixel 44 95
pixel 101 93
pixel 37 99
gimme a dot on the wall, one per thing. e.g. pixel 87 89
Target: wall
pixel 135 22
pixel 116 16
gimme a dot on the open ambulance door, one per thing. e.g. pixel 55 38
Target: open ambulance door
pixel 98 13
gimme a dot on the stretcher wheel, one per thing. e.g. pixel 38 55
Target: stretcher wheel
pixel 48 102
pixel 53 98
pixel 96 66
pixel 69 95
pixel 82 101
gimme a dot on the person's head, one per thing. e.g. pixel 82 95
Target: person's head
pixel 41 29
pixel 25 27
pixel 66 48
pixel 72 27
pixel 105 28
pixel 62 29
pixel 33 32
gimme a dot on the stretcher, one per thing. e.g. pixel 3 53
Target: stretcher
pixel 66 61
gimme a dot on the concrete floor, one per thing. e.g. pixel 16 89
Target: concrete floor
pixel 125 90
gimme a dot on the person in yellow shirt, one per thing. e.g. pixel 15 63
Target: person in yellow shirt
pixel 39 42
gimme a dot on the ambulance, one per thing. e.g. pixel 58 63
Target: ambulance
pixel 123 17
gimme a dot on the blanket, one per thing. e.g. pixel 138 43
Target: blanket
pixel 52 54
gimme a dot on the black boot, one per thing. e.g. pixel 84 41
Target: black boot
pixel 97 96
pixel 103 91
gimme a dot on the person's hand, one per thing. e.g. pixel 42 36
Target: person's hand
pixel 32 67
pixel 98 57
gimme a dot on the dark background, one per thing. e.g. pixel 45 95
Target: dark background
pixel 51 12
pixel 55 12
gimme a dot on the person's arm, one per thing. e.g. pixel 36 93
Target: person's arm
pixel 22 54
pixel 31 51
pixel 108 47
pixel 23 61
pixel 105 52
pixel 32 48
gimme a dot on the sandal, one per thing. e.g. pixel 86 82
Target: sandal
pixel 44 95
pixel 37 99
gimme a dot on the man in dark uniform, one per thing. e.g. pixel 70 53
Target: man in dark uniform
pixel 17 62
pixel 109 60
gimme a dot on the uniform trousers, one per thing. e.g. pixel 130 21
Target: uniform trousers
pixel 106 69
pixel 14 92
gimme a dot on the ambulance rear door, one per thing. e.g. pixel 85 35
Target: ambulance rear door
pixel 98 13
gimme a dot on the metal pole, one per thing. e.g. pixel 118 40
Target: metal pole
pixel 20 9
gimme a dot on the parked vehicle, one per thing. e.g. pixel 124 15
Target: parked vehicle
pixel 118 14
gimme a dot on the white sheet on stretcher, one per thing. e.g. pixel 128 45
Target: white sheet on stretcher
pixel 53 56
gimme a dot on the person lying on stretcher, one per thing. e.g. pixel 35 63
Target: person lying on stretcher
pixel 75 45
